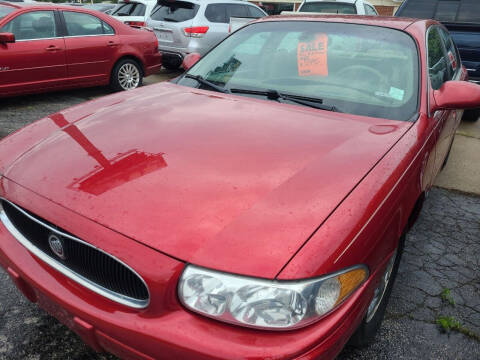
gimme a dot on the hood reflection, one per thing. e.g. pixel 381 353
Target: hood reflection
pixel 113 172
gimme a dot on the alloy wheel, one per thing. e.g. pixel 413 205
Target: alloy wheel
pixel 128 76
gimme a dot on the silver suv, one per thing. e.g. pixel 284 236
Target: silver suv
pixel 184 27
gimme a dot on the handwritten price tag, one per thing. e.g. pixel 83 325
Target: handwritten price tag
pixel 312 56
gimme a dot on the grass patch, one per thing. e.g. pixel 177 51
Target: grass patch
pixel 446 295
pixel 449 323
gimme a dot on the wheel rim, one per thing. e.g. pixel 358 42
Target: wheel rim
pixel 380 290
pixel 128 76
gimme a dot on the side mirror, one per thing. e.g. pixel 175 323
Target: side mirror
pixel 457 95
pixel 190 60
pixel 7 38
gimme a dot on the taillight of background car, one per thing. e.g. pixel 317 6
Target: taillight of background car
pixel 195 31
pixel 135 23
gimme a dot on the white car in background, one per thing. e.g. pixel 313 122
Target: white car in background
pixel 134 12
pixel 354 7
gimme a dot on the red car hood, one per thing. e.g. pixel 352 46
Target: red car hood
pixel 221 181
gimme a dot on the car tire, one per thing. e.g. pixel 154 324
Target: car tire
pixel 471 115
pixel 365 333
pixel 126 75
pixel 171 65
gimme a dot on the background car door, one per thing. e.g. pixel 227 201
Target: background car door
pixel 91 46
pixel 219 17
pixel 37 58
pixel 444 65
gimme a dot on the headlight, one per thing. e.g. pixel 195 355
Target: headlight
pixel 266 304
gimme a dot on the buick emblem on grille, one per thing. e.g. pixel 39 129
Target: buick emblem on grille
pixel 56 245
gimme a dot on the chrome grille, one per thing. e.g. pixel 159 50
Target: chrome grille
pixel 82 262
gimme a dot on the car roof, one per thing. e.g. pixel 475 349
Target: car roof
pixel 43 5
pixel 382 21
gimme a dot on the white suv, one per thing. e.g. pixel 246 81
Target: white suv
pixel 354 7
pixel 195 26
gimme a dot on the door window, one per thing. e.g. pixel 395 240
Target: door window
pixel 32 26
pixel 453 58
pixel 216 13
pixel 254 12
pixel 369 10
pixel 437 63
pixel 80 24
pixel 107 29
pixel 234 10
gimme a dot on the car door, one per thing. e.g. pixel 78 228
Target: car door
pixel 219 15
pixel 441 70
pixel 36 59
pixel 91 47
pixel 454 70
pixel 216 14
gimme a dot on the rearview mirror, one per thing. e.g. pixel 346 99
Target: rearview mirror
pixel 457 95
pixel 7 38
pixel 190 60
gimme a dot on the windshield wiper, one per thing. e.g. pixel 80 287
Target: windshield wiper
pixel 170 20
pixel 202 81
pixel 302 100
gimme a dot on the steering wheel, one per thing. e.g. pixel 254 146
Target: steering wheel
pixel 362 69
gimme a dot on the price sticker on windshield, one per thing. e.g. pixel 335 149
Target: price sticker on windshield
pixel 453 61
pixel 312 56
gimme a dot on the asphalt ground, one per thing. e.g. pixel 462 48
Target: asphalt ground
pixel 439 275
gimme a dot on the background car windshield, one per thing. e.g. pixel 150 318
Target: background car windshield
pixel 363 70
pixel 443 10
pixel 327 7
pixel 130 9
pixel 176 11
pixel 5 10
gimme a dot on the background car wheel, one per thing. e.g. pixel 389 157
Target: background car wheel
pixel 126 75
pixel 367 330
pixel 471 115
pixel 171 65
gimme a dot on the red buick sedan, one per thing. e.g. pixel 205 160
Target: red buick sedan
pixel 255 207
pixel 46 47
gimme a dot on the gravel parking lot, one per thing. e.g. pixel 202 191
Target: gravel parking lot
pixel 439 276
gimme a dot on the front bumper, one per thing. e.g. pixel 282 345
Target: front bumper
pixel 164 330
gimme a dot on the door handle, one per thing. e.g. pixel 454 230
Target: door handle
pixel 112 43
pixel 53 48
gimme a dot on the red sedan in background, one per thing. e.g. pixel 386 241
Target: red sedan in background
pixel 46 47
pixel 256 207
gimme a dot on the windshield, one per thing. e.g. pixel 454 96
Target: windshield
pixel 5 10
pixel 328 7
pixel 357 69
pixel 176 11
pixel 130 9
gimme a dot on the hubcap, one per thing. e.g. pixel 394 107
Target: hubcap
pixel 128 76
pixel 380 290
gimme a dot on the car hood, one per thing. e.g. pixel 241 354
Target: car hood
pixel 221 181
